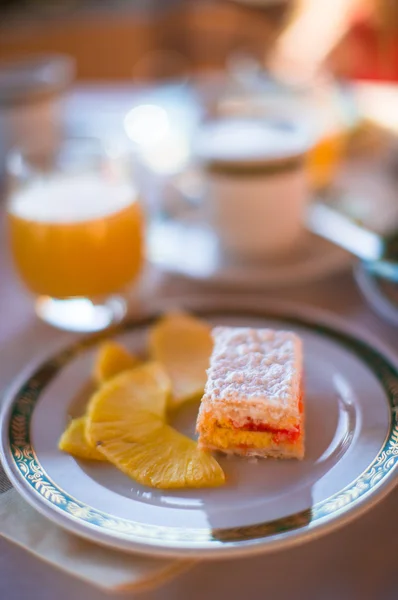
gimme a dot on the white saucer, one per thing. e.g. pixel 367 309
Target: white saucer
pixel 189 248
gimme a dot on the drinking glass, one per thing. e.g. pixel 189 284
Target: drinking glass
pixel 76 231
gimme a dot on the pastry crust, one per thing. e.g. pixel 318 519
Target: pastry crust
pixel 252 403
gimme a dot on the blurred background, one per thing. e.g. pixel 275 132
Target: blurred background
pixel 138 39
pixel 154 76
pixel 157 39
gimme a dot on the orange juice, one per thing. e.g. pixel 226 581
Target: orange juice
pixel 77 236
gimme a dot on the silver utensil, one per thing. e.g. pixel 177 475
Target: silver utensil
pixel 379 252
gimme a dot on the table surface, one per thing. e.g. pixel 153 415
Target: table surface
pixel 357 561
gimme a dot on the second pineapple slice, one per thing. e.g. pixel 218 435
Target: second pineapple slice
pixel 183 344
pixel 120 403
pixel 112 359
pixel 126 423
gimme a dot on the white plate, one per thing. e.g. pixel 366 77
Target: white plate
pixel 190 249
pixel 350 462
pixel 381 294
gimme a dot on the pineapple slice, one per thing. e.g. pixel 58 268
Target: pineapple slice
pixel 121 402
pixel 73 441
pixel 163 459
pixel 183 344
pixel 126 422
pixel 112 359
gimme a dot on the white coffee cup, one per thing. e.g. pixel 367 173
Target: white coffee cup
pixel 256 187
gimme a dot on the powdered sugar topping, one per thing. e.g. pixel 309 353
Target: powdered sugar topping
pixel 253 364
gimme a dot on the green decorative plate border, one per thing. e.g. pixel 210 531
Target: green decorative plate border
pixel 29 469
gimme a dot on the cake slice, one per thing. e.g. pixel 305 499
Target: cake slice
pixel 253 400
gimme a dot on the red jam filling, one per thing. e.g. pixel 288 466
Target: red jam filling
pixel 286 435
pixel 279 435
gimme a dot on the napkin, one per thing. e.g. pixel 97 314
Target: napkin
pixel 108 569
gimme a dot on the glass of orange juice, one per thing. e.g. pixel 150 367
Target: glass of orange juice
pixel 76 232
